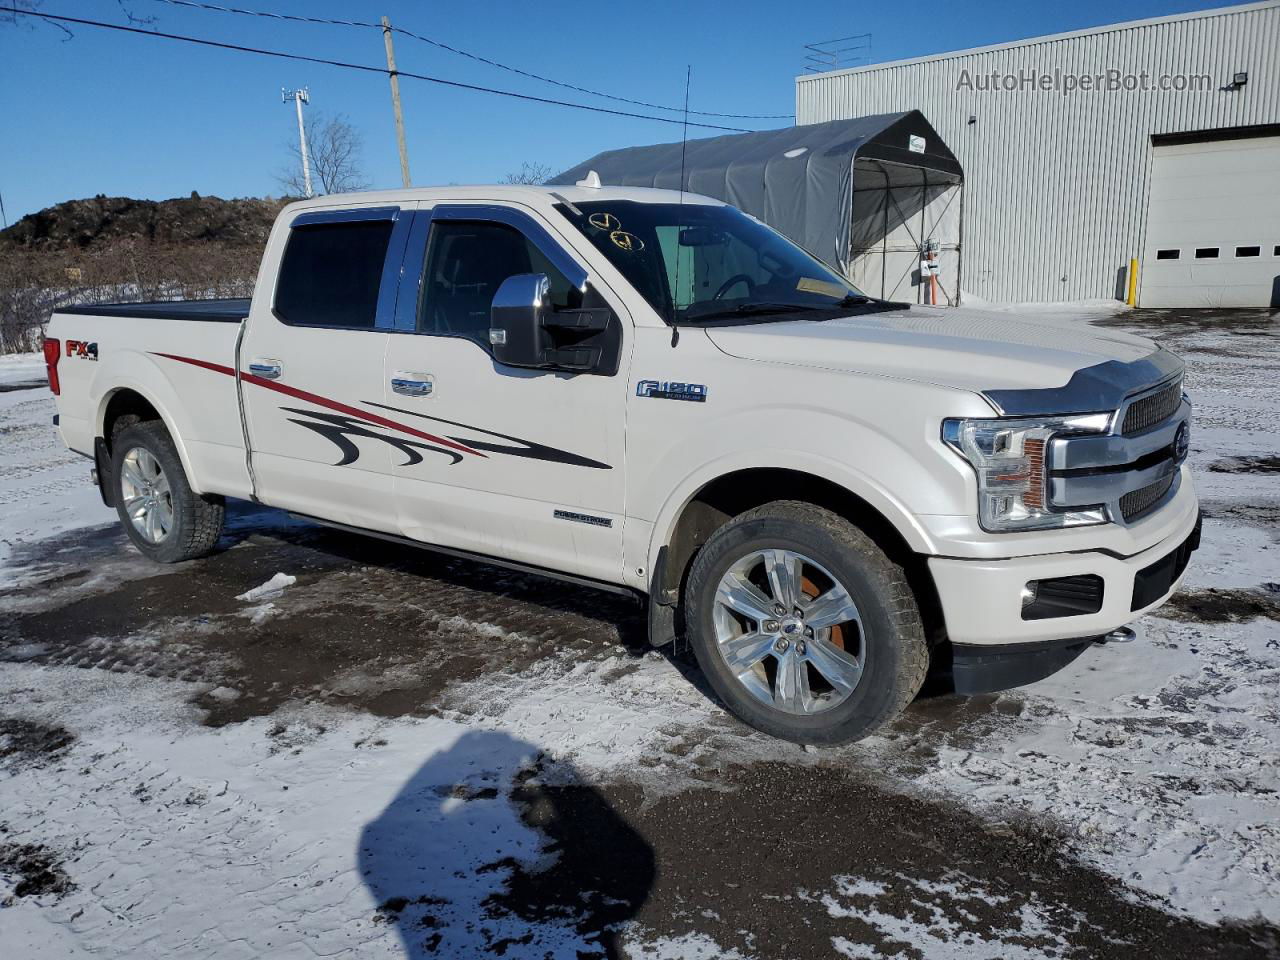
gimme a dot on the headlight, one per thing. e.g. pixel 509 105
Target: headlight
pixel 1009 459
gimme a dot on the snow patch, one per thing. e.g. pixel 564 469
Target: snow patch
pixel 22 368
pixel 272 588
pixel 929 928
pixel 691 946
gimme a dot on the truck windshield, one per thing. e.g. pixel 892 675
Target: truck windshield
pixel 697 263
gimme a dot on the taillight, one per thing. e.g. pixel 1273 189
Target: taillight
pixel 52 351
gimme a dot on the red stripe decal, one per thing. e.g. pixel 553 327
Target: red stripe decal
pixel 323 402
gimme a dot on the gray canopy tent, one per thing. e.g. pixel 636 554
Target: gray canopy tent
pixel 865 195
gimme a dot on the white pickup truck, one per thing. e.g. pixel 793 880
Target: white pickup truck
pixel 652 392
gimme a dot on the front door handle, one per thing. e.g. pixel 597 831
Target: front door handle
pixel 412 384
pixel 266 369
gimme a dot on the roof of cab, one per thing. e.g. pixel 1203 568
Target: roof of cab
pixel 516 193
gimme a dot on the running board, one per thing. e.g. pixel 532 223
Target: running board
pixel 478 557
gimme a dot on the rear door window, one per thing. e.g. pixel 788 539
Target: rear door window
pixel 331 273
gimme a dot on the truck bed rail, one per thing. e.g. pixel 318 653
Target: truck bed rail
pixel 231 310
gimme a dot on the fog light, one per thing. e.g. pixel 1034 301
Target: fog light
pixel 1062 597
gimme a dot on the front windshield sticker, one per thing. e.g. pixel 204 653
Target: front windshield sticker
pixel 627 241
pixel 810 285
pixel 604 221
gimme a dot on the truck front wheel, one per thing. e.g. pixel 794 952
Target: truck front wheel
pixel 803 626
pixel 162 516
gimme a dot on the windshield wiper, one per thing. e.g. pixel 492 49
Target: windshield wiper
pixel 751 309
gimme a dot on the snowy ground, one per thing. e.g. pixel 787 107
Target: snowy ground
pixel 379 754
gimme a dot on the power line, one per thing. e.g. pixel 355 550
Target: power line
pixel 221 45
pixel 219 8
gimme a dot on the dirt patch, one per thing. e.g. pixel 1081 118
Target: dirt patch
pixel 822 855
pixel 367 624
pixel 33 870
pixel 777 861
pixel 22 385
pixel 1260 512
pixel 1264 464
pixel 1223 606
pixel 26 743
pixel 1172 324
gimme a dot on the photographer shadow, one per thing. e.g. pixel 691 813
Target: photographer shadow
pixel 490 849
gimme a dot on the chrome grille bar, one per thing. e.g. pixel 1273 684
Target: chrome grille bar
pixel 1133 469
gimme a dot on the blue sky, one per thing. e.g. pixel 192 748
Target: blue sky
pixel 122 115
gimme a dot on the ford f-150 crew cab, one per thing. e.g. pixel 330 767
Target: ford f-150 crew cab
pixel 651 392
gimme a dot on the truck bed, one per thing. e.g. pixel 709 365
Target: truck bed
pixel 231 310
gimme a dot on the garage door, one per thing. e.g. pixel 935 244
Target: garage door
pixel 1213 225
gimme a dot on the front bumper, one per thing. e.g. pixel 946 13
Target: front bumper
pixel 982 599
pixel 981 668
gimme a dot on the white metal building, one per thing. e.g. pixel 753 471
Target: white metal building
pixel 1172 155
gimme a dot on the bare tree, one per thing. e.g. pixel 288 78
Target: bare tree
pixel 531 173
pixel 27 12
pixel 333 147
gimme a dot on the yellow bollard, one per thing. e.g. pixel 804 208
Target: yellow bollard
pixel 1132 299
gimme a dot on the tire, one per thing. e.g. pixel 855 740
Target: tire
pixel 839 677
pixel 186 525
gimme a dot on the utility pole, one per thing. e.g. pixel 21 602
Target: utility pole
pixel 395 100
pixel 299 97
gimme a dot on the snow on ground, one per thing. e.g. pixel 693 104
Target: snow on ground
pixel 269 590
pixel 44 487
pixel 1159 760
pixel 1071 311
pixel 930 931
pixel 21 368
pixel 308 851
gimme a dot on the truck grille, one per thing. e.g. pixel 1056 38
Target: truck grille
pixel 1134 505
pixel 1145 412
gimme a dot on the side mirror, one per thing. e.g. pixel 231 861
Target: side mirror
pixel 525 330
pixel 517 317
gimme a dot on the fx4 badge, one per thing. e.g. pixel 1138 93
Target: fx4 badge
pixel 78 348
pixel 672 390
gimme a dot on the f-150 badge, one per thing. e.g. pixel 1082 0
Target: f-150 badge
pixel 672 390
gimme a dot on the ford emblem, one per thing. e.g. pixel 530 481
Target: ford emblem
pixel 1182 442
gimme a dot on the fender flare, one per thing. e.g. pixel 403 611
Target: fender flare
pixel 136 372
pixel 838 472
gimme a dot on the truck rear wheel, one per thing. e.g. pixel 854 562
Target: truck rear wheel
pixel 803 626
pixel 162 516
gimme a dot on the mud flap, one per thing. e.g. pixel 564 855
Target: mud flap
pixel 102 475
pixel 662 605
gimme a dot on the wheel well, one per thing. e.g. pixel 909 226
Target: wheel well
pixel 726 497
pixel 124 409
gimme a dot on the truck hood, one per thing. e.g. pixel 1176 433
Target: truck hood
pixel 977 350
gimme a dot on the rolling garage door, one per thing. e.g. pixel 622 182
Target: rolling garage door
pixel 1213 224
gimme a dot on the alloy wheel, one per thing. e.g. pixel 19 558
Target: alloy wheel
pixel 789 631
pixel 146 495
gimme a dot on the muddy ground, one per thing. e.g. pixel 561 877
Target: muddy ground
pixel 784 856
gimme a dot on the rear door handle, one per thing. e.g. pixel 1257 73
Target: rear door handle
pixel 412 384
pixel 266 369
